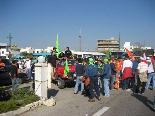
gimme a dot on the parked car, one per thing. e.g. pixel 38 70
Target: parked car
pixel 59 72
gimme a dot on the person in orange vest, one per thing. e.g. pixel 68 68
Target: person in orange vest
pixel 2 65
pixel 118 66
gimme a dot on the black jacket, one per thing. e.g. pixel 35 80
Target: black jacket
pixel 68 54
pixel 52 60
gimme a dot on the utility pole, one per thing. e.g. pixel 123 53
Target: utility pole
pixel 9 45
pixel 119 40
pixel 80 38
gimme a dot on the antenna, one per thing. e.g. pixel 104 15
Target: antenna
pixel 80 38
pixel 119 40
pixel 10 44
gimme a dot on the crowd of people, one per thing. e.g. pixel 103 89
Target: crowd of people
pixel 109 74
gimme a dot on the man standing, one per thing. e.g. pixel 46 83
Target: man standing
pixel 2 65
pixel 106 74
pixel 113 74
pixel 134 69
pixel 28 66
pixel 14 75
pixel 68 53
pixel 127 73
pixel 92 73
pixel 79 73
pixel 52 60
pixel 141 76
pixel 151 74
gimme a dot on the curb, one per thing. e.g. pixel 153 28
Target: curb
pixel 48 102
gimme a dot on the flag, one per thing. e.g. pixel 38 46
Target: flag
pixel 66 68
pixel 129 53
pixel 110 53
pixel 57 47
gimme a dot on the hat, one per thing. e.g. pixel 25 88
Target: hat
pixel 90 61
pixel 106 60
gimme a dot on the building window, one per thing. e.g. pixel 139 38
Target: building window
pixel 2 52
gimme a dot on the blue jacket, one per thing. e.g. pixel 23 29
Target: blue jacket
pixel 91 71
pixel 106 73
pixel 134 66
pixel 79 69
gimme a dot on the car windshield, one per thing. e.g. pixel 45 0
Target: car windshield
pixel 6 61
pixel 63 63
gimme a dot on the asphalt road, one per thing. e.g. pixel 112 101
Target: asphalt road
pixel 120 103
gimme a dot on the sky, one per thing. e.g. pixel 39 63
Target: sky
pixel 36 23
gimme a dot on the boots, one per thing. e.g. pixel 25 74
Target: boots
pixel 98 98
pixel 92 100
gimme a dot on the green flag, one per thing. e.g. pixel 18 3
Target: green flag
pixel 66 68
pixel 57 47
pixel 110 53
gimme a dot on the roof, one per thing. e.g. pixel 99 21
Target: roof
pixel 3 44
pixel 41 54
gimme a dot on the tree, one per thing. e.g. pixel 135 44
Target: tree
pixel 138 46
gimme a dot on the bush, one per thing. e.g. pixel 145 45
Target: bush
pixel 19 97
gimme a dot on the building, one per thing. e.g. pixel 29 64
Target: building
pixel 47 50
pixel 27 50
pixel 108 44
pixel 3 51
pixel 128 46
pixel 15 50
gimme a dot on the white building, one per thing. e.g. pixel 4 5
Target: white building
pixel 128 46
pixel 3 50
pixel 27 50
pixel 39 50
pixel 48 50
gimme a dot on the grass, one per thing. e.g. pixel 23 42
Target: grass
pixel 17 99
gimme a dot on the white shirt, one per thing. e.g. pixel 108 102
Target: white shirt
pixel 28 64
pixel 142 67
pixel 20 65
pixel 126 63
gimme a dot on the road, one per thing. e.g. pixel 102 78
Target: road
pixel 120 103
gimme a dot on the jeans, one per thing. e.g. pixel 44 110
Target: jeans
pixel 29 73
pixel 105 87
pixel 113 79
pixel 136 78
pixel 94 85
pixel 126 83
pixel 140 84
pixel 14 83
pixel 151 76
pixel 78 81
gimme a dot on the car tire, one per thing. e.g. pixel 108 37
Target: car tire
pixel 61 83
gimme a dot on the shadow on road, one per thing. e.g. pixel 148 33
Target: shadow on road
pixel 145 101
pixel 52 93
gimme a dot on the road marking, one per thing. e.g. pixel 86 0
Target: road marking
pixel 101 111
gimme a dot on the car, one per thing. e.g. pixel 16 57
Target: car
pixel 59 72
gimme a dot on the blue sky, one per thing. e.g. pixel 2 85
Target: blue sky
pixel 37 22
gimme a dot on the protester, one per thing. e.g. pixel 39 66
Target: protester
pixel 151 74
pixel 28 67
pixel 113 74
pixel 141 77
pixel 2 65
pixel 52 59
pixel 106 74
pixel 127 73
pixel 79 73
pixel 134 69
pixel 92 73
pixel 14 75
pixel 61 55
pixel 100 68
pixel 85 63
pixel 68 53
